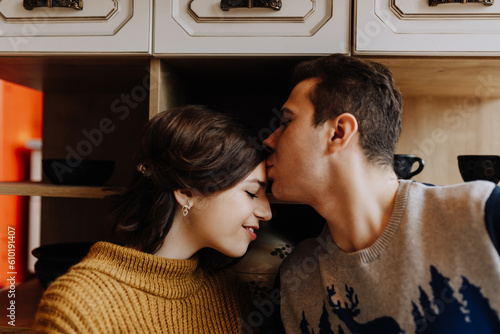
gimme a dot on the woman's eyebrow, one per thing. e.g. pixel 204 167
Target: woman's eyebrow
pixel 261 183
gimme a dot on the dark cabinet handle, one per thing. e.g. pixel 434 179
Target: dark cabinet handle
pixel 75 4
pixel 227 4
pixel 439 2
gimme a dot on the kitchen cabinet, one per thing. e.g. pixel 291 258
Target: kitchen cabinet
pixel 201 27
pixel 300 27
pixel 180 27
pixel 409 27
pixel 86 26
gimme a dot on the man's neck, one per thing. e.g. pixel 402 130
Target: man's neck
pixel 359 207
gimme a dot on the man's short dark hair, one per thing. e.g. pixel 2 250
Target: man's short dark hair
pixel 362 88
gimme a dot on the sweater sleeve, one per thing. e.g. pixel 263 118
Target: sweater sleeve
pixel 66 307
pixel 492 217
pixel 55 315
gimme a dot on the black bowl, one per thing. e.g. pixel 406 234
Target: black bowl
pixel 54 260
pixel 83 172
pixel 479 167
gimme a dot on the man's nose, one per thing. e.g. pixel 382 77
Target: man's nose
pixel 270 142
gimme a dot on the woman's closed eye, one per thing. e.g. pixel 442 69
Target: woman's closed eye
pixel 251 194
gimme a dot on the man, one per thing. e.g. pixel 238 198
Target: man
pixel 395 256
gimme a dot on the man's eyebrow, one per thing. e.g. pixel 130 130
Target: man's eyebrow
pixel 261 183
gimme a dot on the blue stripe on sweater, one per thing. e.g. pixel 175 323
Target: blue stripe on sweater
pixel 492 217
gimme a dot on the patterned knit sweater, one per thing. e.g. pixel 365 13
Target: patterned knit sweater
pixel 434 269
pixel 121 290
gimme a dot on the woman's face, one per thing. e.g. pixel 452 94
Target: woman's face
pixel 228 221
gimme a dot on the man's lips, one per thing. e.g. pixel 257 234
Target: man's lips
pixel 269 162
pixel 268 170
pixel 269 165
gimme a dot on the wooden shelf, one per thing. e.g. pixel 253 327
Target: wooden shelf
pixel 52 190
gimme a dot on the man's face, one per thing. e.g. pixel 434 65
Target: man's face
pixel 298 148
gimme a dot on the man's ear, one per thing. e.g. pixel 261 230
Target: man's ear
pixel 183 195
pixel 342 130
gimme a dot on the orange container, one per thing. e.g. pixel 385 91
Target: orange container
pixel 20 119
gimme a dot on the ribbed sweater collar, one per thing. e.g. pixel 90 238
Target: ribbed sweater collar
pixel 377 248
pixel 168 278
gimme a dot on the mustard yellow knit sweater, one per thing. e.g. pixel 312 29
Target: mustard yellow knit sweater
pixel 121 290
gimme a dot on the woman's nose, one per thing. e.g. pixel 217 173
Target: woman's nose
pixel 263 211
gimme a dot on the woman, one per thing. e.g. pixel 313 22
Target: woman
pixel 200 185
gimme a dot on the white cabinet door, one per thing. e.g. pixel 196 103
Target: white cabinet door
pixel 97 26
pixel 413 27
pixel 306 27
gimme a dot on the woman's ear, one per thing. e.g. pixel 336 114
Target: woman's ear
pixel 342 130
pixel 183 195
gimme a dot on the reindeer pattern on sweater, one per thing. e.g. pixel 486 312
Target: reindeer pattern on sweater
pixel 441 314
pixel 434 269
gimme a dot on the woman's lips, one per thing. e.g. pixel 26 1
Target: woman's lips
pixel 251 231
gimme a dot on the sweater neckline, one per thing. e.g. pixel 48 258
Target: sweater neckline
pixel 168 278
pixel 378 247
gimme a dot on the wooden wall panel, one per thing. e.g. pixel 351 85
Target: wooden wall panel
pixel 438 129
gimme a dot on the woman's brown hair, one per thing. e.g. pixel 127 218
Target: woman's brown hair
pixel 190 147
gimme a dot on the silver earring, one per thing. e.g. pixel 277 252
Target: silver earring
pixel 186 208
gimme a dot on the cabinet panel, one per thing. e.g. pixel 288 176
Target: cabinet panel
pixel 415 28
pixel 101 26
pixel 299 27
